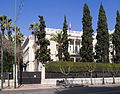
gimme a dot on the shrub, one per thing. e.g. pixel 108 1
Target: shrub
pixel 79 66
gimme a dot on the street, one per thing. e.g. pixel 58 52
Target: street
pixel 75 90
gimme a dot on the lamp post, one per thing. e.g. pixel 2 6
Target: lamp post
pixel 2 61
pixel 14 66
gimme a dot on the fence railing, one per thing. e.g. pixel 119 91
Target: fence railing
pixel 81 75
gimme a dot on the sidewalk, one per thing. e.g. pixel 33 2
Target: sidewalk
pixel 39 86
pixel 32 86
pixel 105 85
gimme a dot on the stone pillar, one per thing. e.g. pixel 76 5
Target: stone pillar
pixel 42 73
pixel 74 59
pixel 15 75
pixel 74 46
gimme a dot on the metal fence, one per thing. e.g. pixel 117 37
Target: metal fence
pixel 29 77
pixel 81 75
pixel 7 75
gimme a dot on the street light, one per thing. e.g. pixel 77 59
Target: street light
pixel 14 66
pixel 2 61
pixel 15 21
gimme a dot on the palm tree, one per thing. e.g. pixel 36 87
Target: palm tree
pixel 9 29
pixel 59 39
pixel 3 20
pixel 8 55
pixel 34 27
pixel 5 44
pixel 19 39
pixel 2 25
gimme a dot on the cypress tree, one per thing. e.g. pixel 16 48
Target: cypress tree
pixel 116 40
pixel 86 51
pixel 43 53
pixel 65 41
pixel 102 45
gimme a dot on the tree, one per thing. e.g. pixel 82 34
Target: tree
pixel 7 44
pixel 8 57
pixel 91 68
pixel 65 41
pixel 2 23
pixel 34 27
pixel 86 51
pixel 113 69
pixel 3 20
pixel 9 29
pixel 59 39
pixel 116 40
pixel 102 45
pixel 7 49
pixel 43 53
pixel 65 70
pixel 19 39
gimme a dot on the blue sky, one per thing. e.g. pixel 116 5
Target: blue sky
pixel 54 11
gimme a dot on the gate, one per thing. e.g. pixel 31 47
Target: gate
pixel 29 78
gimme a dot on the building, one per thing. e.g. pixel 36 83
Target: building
pixel 73 49
pixel 28 48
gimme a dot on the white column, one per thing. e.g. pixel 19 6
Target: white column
pixel 74 59
pixel 43 74
pixel 74 46
pixel 15 75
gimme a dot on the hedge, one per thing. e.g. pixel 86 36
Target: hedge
pixel 81 67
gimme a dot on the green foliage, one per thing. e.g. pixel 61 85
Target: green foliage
pixel 8 55
pixel 86 51
pixel 59 39
pixel 7 46
pixel 81 66
pixel 113 68
pixel 19 40
pixel 102 46
pixel 43 53
pixel 116 40
pixel 65 41
pixel 34 27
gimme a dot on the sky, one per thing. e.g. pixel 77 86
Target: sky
pixel 53 12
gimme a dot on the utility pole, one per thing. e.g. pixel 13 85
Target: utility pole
pixel 15 22
pixel 14 66
pixel 2 61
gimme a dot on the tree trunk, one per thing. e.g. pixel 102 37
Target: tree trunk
pixel 91 78
pixel 60 53
pixel 35 43
pixel 35 47
pixel 8 59
pixel 66 83
pixel 113 79
pixel 2 37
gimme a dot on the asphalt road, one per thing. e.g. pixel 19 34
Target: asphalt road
pixel 75 90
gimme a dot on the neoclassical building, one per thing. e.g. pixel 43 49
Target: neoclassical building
pixel 73 49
